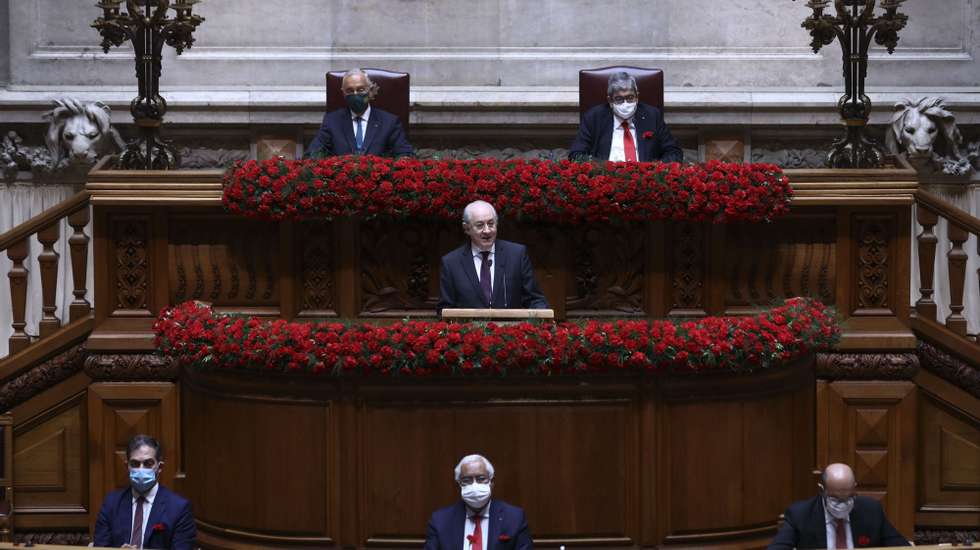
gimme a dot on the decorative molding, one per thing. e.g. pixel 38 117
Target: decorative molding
pixel 131 366
pixel 687 275
pixel 867 366
pixel 60 538
pixel 132 263
pixel 945 536
pixel 873 260
pixel 950 368
pixel 42 377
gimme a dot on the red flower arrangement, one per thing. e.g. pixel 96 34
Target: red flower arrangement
pixel 648 135
pixel 562 192
pixel 195 336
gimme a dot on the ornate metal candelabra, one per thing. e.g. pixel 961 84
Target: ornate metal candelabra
pixel 855 25
pixel 146 24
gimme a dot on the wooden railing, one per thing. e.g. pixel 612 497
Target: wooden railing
pixel 952 330
pixel 16 244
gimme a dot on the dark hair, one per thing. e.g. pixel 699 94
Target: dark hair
pixel 142 440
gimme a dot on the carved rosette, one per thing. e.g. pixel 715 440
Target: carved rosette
pixel 42 377
pixel 950 368
pixel 131 366
pixel 867 366
pixel 951 536
pixel 873 263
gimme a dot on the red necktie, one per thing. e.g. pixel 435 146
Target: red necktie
pixel 628 144
pixel 477 543
pixel 136 538
pixel 485 276
pixel 841 536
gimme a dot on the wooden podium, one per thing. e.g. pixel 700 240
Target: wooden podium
pixel 496 314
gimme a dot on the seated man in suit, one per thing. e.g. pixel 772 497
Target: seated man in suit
pixel 624 129
pixel 145 514
pixel 487 272
pixel 476 522
pixel 836 518
pixel 359 129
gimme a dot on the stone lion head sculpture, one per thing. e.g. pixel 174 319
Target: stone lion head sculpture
pixel 79 131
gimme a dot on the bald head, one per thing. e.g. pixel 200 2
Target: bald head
pixel 838 481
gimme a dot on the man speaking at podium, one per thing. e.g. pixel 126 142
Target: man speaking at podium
pixel 145 515
pixel 487 272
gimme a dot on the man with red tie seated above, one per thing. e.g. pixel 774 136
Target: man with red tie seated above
pixel 145 514
pixel 477 522
pixel 360 129
pixel 624 129
pixel 836 518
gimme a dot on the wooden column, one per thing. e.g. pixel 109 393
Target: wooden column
pixel 18 294
pixel 957 274
pixel 78 245
pixel 926 305
pixel 48 262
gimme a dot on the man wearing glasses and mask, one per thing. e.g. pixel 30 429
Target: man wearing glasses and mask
pixel 145 514
pixel 836 518
pixel 624 129
pixel 360 129
pixel 477 522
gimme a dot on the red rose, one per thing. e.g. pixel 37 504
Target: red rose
pixel 471 538
pixel 503 538
pixel 159 527
pixel 864 540
pixel 648 135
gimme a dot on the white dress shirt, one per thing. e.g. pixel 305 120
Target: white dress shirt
pixel 617 149
pixel 478 262
pixel 149 496
pixel 471 526
pixel 366 115
pixel 832 531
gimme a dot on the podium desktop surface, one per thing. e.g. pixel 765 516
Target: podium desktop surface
pixel 494 313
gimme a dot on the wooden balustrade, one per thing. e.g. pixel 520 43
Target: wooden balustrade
pixel 960 225
pixel 16 244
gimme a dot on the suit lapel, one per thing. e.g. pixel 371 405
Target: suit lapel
pixel 605 134
pixel 641 123
pixel 499 273
pixel 493 525
pixel 458 527
pixel 372 129
pixel 156 512
pixel 127 510
pixel 347 128
pixel 818 518
pixel 469 267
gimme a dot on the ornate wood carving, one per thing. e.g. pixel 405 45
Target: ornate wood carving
pixel 873 234
pixel 769 262
pixel 962 537
pixel 317 266
pixel 950 368
pixel 609 271
pixel 926 306
pixel 59 538
pixel 132 263
pixel 957 258
pixel 41 377
pixel 48 263
pixel 867 366
pixel 18 295
pixel 227 262
pixel 399 269
pixel 131 366
pixel 687 273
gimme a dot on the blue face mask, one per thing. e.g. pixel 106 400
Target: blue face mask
pixel 357 103
pixel 142 479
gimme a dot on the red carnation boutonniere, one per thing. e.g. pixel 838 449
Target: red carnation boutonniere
pixel 503 538
pixel 471 538
pixel 159 528
pixel 864 540
pixel 648 135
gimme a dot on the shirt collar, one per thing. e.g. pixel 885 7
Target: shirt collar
pixel 366 115
pixel 149 496
pixel 476 251
pixel 485 513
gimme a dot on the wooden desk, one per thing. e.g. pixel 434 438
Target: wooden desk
pixel 494 314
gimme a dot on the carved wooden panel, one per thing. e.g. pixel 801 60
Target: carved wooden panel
pixel 316 258
pixel 50 461
pixel 949 455
pixel 873 256
pixel 571 467
pixel 131 267
pixel 687 262
pixel 400 268
pixel 608 271
pixel 765 263
pixel 871 426
pixel 225 261
pixel 117 412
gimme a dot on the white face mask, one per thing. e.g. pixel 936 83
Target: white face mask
pixel 476 495
pixel 839 509
pixel 625 109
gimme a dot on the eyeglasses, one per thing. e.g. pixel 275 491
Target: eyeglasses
pixel 479 226
pixel 352 91
pixel 148 463
pixel 619 100
pixel 470 480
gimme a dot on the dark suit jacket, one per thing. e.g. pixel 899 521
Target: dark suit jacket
pixel 513 277
pixel 507 528
pixel 595 132
pixel 806 527
pixel 383 135
pixel 114 526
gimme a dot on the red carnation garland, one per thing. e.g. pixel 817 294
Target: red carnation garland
pixel 197 337
pixel 540 190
